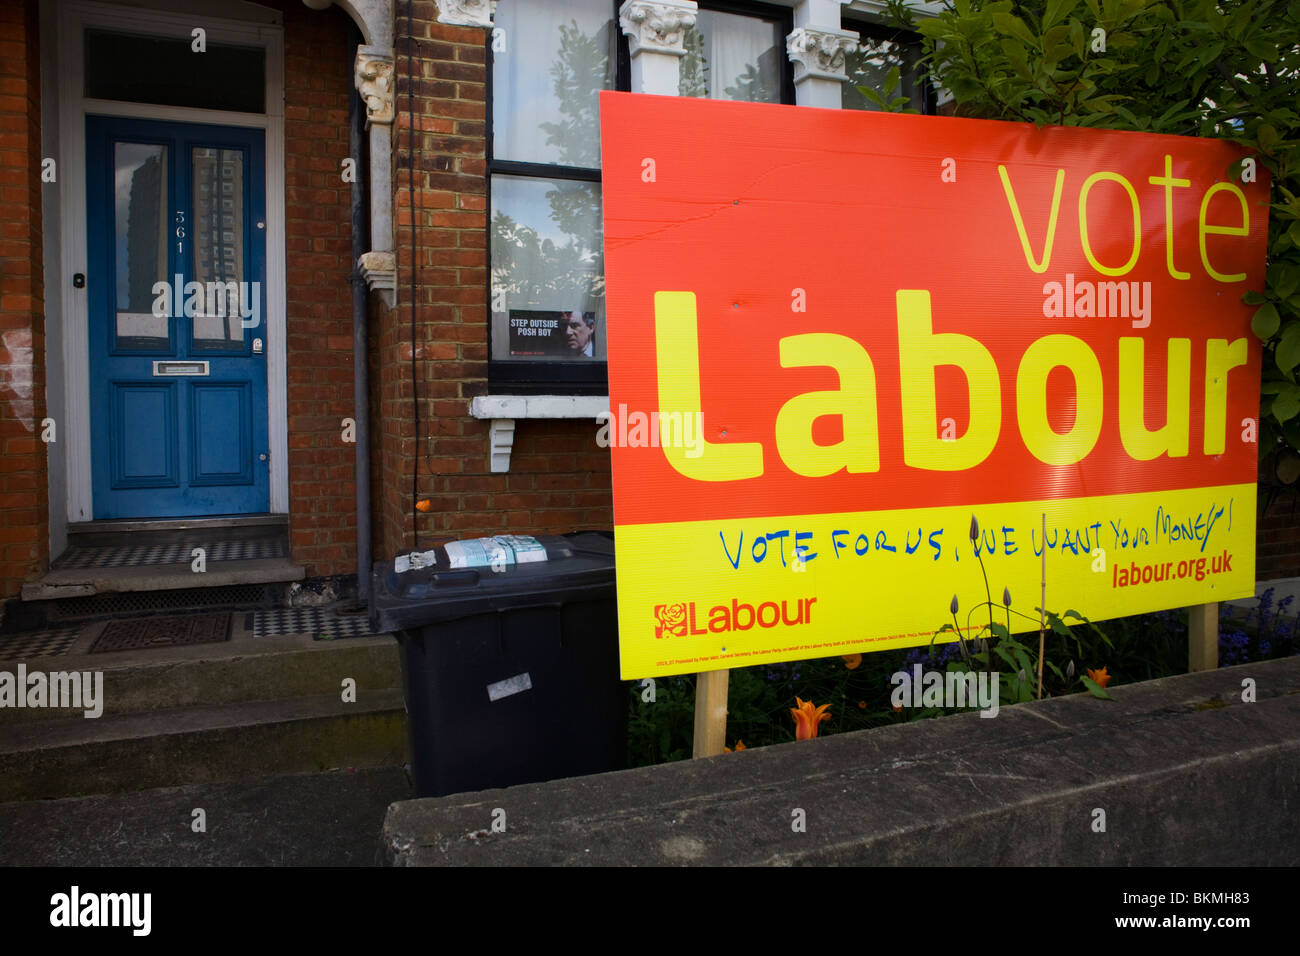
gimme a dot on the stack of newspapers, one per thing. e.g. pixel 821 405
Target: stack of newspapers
pixel 497 552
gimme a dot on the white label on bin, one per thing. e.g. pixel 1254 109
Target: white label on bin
pixel 410 562
pixel 511 685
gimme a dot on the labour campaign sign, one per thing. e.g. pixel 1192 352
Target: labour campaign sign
pixel 835 337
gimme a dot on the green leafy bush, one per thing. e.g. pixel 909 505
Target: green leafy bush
pixel 1226 69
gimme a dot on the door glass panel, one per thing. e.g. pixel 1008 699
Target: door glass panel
pixel 140 245
pixel 218 244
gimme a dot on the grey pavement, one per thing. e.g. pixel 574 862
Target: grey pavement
pixel 318 819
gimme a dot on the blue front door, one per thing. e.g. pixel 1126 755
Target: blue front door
pixel 176 278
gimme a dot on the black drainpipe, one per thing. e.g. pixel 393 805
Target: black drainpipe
pixel 360 323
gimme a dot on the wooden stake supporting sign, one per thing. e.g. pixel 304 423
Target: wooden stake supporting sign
pixel 710 712
pixel 1203 637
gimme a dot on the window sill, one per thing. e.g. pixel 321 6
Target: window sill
pixel 503 410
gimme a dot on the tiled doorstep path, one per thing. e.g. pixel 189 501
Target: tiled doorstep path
pixel 321 623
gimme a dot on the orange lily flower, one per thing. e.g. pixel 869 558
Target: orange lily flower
pixel 862 705
pixel 1100 677
pixel 851 661
pixel 740 745
pixel 807 718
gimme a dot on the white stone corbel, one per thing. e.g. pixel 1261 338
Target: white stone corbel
pixel 467 13
pixel 501 441
pixel 818 57
pixel 373 75
pixel 656 31
pixel 501 411
pixel 657 26
pixel 379 269
pixel 372 72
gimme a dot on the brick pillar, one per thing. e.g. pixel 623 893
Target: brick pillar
pixel 24 489
pixel 445 197
pixel 318 236
pixel 559 479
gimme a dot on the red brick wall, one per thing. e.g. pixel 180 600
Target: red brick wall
pixel 559 479
pixel 24 487
pixel 318 235
pixel 1277 537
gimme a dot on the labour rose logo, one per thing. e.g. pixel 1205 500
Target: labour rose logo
pixel 671 620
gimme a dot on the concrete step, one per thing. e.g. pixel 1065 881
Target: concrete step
pixel 92 531
pixel 243 740
pixel 240 670
pixel 65 583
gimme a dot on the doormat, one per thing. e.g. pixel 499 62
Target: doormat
pixel 148 632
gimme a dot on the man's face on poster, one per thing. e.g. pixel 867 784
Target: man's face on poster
pixel 576 331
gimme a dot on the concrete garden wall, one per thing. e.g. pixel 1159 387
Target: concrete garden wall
pixel 1185 771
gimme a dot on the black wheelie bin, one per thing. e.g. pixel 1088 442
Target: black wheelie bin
pixel 509 653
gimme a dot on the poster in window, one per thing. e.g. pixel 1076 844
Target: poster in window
pixel 552 335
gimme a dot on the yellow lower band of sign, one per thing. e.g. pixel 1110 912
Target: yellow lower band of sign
pixel 706 595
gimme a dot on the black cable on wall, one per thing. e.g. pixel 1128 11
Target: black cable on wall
pixel 415 258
